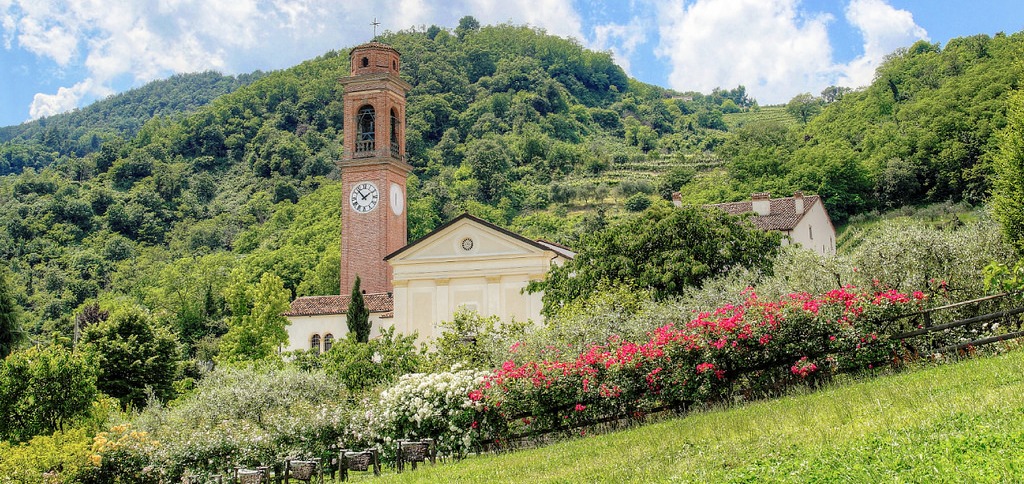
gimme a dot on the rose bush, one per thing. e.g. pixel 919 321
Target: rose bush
pixel 752 348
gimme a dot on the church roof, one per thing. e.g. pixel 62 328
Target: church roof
pixel 558 248
pixel 324 305
pixel 372 45
pixel 782 216
pixel 540 244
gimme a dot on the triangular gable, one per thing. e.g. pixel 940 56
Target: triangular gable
pixel 470 237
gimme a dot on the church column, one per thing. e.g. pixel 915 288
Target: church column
pixel 444 310
pixel 535 301
pixel 400 316
pixel 493 295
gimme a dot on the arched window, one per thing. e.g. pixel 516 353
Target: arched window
pixel 366 62
pixel 365 130
pixel 328 342
pixel 394 133
pixel 314 344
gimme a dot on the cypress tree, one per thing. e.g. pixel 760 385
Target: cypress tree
pixel 358 315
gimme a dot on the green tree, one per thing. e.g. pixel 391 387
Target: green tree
pixel 256 328
pixel 11 334
pixel 490 162
pixel 467 25
pixel 362 365
pixel 42 389
pixel 1008 189
pixel 358 315
pixel 665 250
pixel 637 202
pixel 133 355
pixel 803 107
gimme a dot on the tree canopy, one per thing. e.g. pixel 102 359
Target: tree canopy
pixel 664 250
pixel 133 356
pixel 42 388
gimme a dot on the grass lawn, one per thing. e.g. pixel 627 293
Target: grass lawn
pixel 961 422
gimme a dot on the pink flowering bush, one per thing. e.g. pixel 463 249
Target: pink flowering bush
pixel 752 348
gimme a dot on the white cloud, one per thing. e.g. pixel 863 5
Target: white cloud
pixel 768 46
pixel 621 39
pixel 150 39
pixel 43 37
pixel 557 17
pixel 884 29
pixel 66 99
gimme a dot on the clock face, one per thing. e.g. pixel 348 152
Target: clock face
pixel 397 199
pixel 364 197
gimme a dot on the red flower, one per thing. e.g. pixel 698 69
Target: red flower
pixel 580 407
pixel 701 368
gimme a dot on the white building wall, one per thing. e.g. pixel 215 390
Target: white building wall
pixel 302 328
pixel 435 279
pixel 815 231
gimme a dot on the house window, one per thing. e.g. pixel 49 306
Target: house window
pixel 328 342
pixel 314 344
pixel 365 130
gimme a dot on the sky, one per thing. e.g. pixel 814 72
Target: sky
pixel 57 55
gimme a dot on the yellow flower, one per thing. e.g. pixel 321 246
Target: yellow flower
pixel 96 459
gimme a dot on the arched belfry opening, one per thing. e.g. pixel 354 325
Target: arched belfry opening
pixel 395 126
pixel 366 122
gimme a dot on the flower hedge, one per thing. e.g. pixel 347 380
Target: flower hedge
pixel 749 349
pixel 752 348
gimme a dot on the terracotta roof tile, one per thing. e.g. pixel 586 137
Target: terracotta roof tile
pixel 322 305
pixel 782 216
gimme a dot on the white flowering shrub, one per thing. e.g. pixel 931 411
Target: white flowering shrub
pixel 424 405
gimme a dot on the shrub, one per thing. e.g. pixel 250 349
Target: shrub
pixel 235 416
pixel 60 457
pixel 474 341
pixel 638 202
pixel 440 405
pixel 755 347
pixel 380 361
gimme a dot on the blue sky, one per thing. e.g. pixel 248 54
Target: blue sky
pixel 59 55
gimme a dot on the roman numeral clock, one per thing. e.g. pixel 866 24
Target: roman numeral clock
pixel 364 197
pixel 373 167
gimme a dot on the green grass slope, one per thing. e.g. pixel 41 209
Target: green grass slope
pixel 960 422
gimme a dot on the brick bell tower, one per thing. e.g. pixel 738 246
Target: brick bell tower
pixel 373 167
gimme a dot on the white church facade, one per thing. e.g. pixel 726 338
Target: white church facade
pixel 465 263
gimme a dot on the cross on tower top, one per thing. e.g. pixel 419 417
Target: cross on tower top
pixel 375 23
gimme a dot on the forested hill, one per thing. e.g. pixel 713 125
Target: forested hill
pixel 521 128
pixel 38 143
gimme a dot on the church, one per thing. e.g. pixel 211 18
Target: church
pixel 465 263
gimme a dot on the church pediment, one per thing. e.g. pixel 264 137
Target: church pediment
pixel 467 238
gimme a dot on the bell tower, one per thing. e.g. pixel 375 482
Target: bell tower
pixel 373 167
